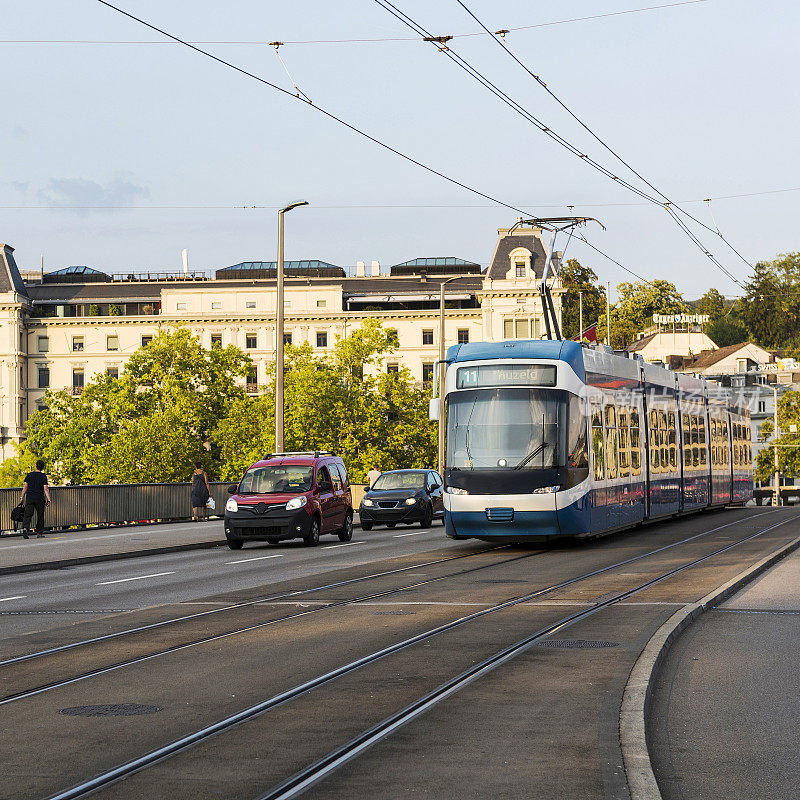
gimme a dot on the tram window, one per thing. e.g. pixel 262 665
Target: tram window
pixel 636 445
pixel 624 445
pixel 687 442
pixel 577 455
pixel 611 443
pixel 701 438
pixel 662 441
pixel 672 442
pixel 598 453
pixel 695 445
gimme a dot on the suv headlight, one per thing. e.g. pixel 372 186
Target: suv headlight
pixel 231 505
pixel 410 501
pixel 296 502
pixel 456 490
pixel 367 502
pixel 546 489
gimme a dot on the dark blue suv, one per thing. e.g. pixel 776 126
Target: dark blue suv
pixel 403 496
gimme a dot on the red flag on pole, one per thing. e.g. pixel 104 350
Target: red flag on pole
pixel 589 335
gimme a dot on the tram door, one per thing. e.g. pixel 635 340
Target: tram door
pixel 599 494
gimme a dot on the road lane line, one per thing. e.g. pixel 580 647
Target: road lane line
pixel 257 558
pixel 346 544
pixel 16 597
pixel 416 533
pixel 137 578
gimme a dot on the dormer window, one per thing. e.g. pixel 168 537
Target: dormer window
pixel 519 269
pixel 519 264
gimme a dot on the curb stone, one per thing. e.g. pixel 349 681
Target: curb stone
pixel 642 782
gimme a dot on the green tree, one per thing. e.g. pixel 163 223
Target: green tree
pixel 94 310
pixel 634 310
pixel 151 424
pixel 341 401
pixel 726 331
pixel 576 279
pixel 13 470
pixel 711 303
pixel 114 311
pixel 771 306
pixel 788 443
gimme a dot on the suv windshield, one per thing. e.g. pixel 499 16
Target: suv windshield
pixel 400 480
pixel 275 480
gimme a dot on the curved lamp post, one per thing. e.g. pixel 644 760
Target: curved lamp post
pixel 279 330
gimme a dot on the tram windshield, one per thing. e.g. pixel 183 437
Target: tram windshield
pixel 515 428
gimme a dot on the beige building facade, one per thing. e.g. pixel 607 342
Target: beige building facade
pixel 62 330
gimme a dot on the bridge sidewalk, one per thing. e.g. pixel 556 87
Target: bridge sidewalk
pixel 725 703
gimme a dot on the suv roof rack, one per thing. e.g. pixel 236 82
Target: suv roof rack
pixel 314 453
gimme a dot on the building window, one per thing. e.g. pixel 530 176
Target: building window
pixel 216 306
pixel 287 338
pixel 44 377
pixel 762 406
pixel 741 365
pixel 250 304
pixel 322 303
pixel 322 338
pixel 22 377
pixel 216 339
pixel 146 340
pixel 427 373
pixel 77 344
pixel 181 306
pixel 427 336
pixel 77 380
pixel 519 269
pixel 392 369
pixel 112 342
pixel 43 344
pixel 392 334
pixel 251 341
pixel 252 379
pixel 463 335
pixel 112 372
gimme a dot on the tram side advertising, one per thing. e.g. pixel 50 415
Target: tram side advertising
pixel 549 439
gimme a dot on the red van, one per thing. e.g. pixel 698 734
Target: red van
pixel 290 496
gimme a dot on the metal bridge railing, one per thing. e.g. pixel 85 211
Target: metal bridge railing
pixel 117 504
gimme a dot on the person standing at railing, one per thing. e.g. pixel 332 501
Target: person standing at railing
pixel 201 491
pixel 35 496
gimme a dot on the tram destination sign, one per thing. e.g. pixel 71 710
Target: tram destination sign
pixel 487 375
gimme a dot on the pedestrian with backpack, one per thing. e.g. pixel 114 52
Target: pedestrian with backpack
pixel 35 496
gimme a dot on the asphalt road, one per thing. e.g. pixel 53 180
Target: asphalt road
pixel 348 643
pixel 35 601
pixel 724 720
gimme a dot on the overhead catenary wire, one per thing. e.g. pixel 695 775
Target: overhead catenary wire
pixel 426 35
pixel 499 38
pixel 363 40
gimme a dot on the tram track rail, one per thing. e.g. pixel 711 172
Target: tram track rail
pixel 129 662
pixel 319 769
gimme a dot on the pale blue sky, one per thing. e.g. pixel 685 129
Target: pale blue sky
pixel 700 98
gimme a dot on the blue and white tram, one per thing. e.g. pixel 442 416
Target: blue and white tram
pixel 549 439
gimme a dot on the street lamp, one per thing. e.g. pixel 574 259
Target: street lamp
pixel 440 459
pixel 279 331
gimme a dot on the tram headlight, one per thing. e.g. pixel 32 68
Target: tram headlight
pixel 296 502
pixel 410 501
pixel 456 490
pixel 546 489
pixel 231 505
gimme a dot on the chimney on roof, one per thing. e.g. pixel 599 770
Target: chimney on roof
pixel 376 268
pixel 359 269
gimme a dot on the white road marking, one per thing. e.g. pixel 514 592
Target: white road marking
pixel 257 558
pixel 16 597
pixel 401 535
pixel 346 544
pixel 137 578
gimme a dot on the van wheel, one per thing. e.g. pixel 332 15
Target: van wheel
pixel 391 524
pixel 346 533
pixel 312 540
pixel 235 544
